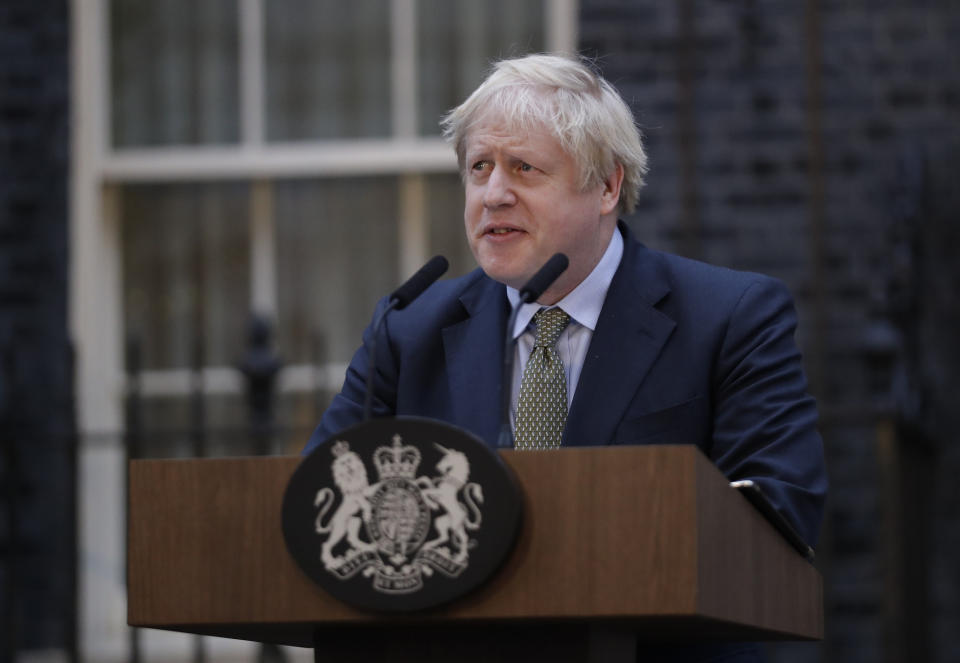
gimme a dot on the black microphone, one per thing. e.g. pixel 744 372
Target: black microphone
pixel 401 297
pixel 419 282
pixel 530 292
pixel 544 278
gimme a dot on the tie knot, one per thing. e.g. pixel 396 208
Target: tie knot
pixel 550 324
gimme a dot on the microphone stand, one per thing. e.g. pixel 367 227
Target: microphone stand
pixel 406 293
pixel 505 439
pixel 372 358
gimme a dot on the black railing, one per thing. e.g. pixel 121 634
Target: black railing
pixel 259 433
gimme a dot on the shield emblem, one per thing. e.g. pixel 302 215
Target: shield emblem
pixel 401 513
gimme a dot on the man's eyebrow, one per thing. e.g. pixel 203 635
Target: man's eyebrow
pixel 474 151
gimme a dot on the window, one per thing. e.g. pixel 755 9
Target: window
pixel 175 73
pixel 327 69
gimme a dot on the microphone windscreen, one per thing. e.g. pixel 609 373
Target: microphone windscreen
pixel 544 278
pixel 419 282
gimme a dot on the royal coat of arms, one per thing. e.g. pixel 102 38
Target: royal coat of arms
pixel 402 528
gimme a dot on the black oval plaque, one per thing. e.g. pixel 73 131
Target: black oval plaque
pixel 400 514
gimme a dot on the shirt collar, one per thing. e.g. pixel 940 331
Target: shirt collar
pixel 584 302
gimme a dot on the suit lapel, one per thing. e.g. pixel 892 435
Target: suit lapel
pixel 629 336
pixel 473 349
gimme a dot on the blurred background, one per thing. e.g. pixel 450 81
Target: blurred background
pixel 201 201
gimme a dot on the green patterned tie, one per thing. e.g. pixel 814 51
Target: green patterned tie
pixel 542 406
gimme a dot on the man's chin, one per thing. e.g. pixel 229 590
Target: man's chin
pixel 511 279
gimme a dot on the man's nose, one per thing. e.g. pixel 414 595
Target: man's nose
pixel 499 190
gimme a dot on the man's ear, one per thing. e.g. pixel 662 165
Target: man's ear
pixel 610 196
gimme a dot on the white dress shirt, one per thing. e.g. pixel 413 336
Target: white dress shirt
pixel 583 305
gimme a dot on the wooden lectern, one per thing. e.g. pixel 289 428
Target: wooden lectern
pixel 619 545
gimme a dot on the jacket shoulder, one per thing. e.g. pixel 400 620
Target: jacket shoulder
pixel 688 281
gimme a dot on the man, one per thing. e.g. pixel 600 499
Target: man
pixel 652 348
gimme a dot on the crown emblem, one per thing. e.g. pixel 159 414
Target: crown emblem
pixel 396 461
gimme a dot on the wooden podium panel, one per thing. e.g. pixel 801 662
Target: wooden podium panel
pixel 647 539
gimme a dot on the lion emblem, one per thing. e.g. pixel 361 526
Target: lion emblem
pixel 350 475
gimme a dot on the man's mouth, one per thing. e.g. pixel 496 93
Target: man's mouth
pixel 501 230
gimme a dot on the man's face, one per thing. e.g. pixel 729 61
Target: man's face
pixel 524 203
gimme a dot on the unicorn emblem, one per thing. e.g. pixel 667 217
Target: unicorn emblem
pixel 442 492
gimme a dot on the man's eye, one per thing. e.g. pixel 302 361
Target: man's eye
pixel 479 165
pixel 525 167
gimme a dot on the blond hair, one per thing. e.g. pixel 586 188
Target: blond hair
pixel 572 102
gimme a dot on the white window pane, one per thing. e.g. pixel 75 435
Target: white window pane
pixel 186 272
pixel 327 69
pixel 457 41
pixel 336 256
pixel 174 72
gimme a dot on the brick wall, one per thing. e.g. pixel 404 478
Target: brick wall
pixel 37 501
pixel 818 142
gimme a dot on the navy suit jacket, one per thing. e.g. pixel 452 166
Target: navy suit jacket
pixel 683 352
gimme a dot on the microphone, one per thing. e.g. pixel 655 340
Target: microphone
pixel 530 292
pixel 400 299
pixel 419 282
pixel 543 279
